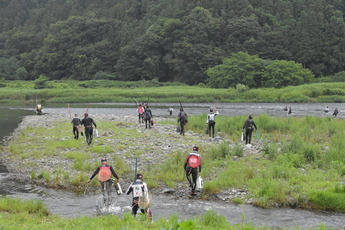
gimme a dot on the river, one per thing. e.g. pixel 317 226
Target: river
pixel 70 204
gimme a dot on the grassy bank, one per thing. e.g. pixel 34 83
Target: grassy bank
pixel 301 164
pixel 114 91
pixel 17 215
pixel 298 161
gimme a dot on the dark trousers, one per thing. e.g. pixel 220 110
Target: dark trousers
pixel 182 124
pixel 106 191
pixel 75 132
pixel 211 126
pixel 148 120
pixel 249 135
pixel 89 134
pixel 141 118
pixel 194 172
pixel 135 206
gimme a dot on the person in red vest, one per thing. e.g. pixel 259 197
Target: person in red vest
pixel 105 172
pixel 191 166
pixel 140 113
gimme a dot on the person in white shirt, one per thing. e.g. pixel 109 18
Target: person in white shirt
pixel 211 121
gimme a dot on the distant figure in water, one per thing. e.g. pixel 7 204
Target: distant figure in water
pixel 326 110
pixel 335 113
pixel 38 109
pixel 286 108
pixel 171 111
pixel 289 110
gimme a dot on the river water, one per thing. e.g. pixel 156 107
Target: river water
pixel 70 204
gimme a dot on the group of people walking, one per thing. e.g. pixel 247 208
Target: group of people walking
pixel 145 114
pixel 138 188
pixel 88 124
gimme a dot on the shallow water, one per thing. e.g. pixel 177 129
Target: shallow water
pixel 70 204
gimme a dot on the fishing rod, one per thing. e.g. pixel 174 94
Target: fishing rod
pixel 136 102
pixel 136 168
pixel 69 111
pixel 87 109
pixel 87 186
pixel 181 104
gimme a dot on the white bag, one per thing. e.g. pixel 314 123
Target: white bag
pixel 242 137
pixel 118 189
pixel 199 183
pixel 96 133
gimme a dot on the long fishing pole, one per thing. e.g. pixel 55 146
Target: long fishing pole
pixel 87 186
pixel 69 111
pixel 136 168
pixel 87 109
pixel 136 102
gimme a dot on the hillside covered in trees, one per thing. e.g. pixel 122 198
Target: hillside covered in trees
pixel 188 41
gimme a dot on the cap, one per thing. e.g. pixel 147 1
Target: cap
pixel 103 159
pixel 195 148
pixel 139 176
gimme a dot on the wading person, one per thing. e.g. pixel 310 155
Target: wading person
pixel 171 111
pixel 248 127
pixel 192 166
pixel 105 172
pixel 182 118
pixel 211 121
pixel 139 191
pixel 76 122
pixel 140 110
pixel 38 109
pixel 147 116
pixel 88 122
pixel 335 113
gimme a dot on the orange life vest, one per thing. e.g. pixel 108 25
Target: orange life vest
pixel 194 161
pixel 104 173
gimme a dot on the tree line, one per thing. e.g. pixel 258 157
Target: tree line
pixel 187 41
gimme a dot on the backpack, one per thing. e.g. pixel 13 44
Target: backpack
pixel 147 114
pixel 194 161
pixel 183 116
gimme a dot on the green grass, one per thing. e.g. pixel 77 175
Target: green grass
pixel 70 91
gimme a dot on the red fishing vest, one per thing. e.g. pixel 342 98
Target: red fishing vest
pixel 104 173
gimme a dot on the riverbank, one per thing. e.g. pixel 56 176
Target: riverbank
pixel 270 173
pixel 98 91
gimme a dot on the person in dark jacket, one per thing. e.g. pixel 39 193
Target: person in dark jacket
pixel 105 172
pixel 336 111
pixel 147 116
pixel 192 164
pixel 182 118
pixel 88 122
pixel 76 123
pixel 248 127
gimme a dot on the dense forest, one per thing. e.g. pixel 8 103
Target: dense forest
pixel 180 40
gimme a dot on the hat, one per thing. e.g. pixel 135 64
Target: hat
pixel 139 176
pixel 195 148
pixel 103 159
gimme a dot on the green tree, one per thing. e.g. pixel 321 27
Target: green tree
pixel 240 68
pixel 280 73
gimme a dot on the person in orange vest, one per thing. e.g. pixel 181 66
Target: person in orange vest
pixel 105 172
pixel 141 113
pixel 191 166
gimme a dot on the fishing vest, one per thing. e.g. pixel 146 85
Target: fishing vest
pixel 137 187
pixel 104 173
pixel 211 116
pixel 194 160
